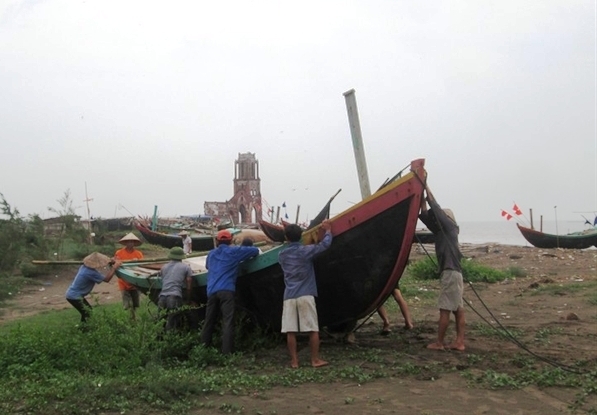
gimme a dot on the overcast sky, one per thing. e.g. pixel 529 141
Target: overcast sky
pixel 150 102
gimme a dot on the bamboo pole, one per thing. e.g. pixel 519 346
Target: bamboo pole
pixel 136 261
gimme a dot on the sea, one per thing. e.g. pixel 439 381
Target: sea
pixel 506 233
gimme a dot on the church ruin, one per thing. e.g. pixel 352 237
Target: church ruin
pixel 245 205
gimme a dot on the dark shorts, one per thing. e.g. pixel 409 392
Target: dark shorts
pixel 130 298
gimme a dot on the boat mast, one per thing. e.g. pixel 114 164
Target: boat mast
pixel 357 142
pixel 87 200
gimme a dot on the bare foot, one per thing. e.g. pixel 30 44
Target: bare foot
pixel 294 365
pixel 319 363
pixel 436 346
pixel 456 346
pixel 409 326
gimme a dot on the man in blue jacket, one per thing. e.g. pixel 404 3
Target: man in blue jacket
pixel 222 263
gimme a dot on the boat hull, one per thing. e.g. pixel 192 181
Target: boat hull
pixel 353 276
pixel 200 243
pixel 577 240
pixel 369 252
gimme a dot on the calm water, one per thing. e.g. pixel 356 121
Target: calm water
pixel 506 233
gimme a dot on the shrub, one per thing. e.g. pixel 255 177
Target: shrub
pixel 12 232
pixel 427 269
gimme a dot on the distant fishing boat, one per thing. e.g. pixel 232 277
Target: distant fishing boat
pixel 371 245
pixel 201 241
pixel 575 240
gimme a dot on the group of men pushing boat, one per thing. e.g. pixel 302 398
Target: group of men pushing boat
pixel 296 260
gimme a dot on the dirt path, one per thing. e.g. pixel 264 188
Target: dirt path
pixel 47 293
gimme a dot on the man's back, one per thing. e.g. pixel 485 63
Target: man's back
pixel 174 274
pixel 222 263
pixel 296 261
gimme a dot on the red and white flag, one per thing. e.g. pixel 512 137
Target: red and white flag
pixel 516 209
pixel 506 215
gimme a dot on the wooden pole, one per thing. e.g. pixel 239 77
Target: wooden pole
pixel 154 220
pixel 87 200
pixel 298 209
pixel 357 142
pixel 541 223
pixel 137 261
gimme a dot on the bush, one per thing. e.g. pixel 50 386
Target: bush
pixel 427 269
pixel 12 232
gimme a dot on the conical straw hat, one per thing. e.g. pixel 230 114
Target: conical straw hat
pixel 96 260
pixel 130 237
pixel 450 214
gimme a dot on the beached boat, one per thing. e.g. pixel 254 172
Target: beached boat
pixel 424 236
pixel 575 240
pixel 369 252
pixel 276 233
pixel 201 241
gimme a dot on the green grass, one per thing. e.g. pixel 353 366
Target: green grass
pixel 589 288
pixel 47 364
pixel 426 269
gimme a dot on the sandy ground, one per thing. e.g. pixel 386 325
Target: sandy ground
pixel 556 299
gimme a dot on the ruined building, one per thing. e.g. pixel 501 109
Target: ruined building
pixel 245 204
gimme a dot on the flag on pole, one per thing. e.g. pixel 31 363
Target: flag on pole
pixel 506 215
pixel 286 216
pixel 516 209
pixel 284 204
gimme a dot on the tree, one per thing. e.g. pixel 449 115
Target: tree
pixel 12 231
pixel 71 227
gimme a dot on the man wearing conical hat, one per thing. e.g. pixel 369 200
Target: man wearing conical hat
pixel 88 275
pixel 445 229
pixel 130 294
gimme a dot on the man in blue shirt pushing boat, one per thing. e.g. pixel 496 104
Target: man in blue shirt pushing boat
pixel 300 313
pixel 222 263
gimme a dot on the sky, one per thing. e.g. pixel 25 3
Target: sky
pixel 149 103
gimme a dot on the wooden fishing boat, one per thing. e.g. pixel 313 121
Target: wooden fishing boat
pixel 575 240
pixel 201 242
pixel 369 252
pixel 424 236
pixel 101 225
pixel 276 233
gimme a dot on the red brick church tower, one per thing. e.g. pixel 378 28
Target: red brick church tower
pixel 245 204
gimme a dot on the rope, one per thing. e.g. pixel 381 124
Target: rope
pixel 504 332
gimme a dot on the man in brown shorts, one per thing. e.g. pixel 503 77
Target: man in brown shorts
pixel 443 225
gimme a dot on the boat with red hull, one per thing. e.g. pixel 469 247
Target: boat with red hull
pixel 276 233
